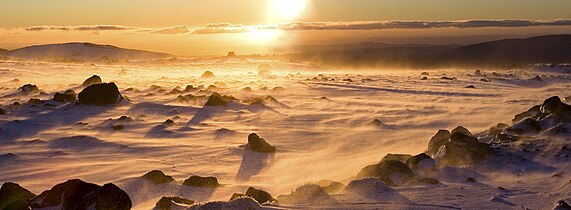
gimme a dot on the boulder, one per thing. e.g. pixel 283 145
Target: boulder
pixel 167 203
pixel 198 181
pixel 34 101
pixel 207 74
pixel 462 150
pixel 421 161
pixel 437 141
pixel 100 95
pixel 461 129
pixel 14 197
pixel 29 88
pixel 92 81
pixel 397 157
pixel 386 171
pixel 68 95
pixel 158 177
pixel 527 126
pixel 259 195
pixel 555 106
pixel 77 194
pixel 3 111
pixel 258 144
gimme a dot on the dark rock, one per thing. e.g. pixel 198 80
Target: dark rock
pixel 424 74
pixel 527 126
pixel 100 94
pixel 3 111
pixel 448 78
pixel 463 150
pixel 92 81
pixel 231 54
pixel 168 123
pixel 198 181
pixel 236 196
pixel 68 96
pixel 470 86
pixel 157 177
pixel 384 170
pixel 555 106
pixel 258 195
pixel 420 161
pixel 258 144
pixel 77 194
pixel 470 179
pixel 561 205
pixel 537 78
pixel 461 129
pixel 437 141
pixel 118 127
pixel 166 203
pixel 29 88
pixel 34 101
pixel 207 74
pixel 216 100
pixel 397 157
pixel 424 78
pixel 485 80
pixel 14 197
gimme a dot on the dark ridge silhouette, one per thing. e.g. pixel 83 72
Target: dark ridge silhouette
pixel 507 53
pixel 81 52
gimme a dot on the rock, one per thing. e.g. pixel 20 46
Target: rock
pixel 470 179
pixel 424 78
pixel 100 95
pixel 3 111
pixel 331 187
pixel 462 150
pixel 258 195
pixel 14 197
pixel 437 141
pixel 29 88
pixel 493 131
pixel 34 101
pixel 448 78
pixel 68 95
pixel 92 81
pixel 561 205
pixel 158 177
pixel 77 194
pixel 555 106
pixel 397 157
pixel 198 181
pixel 240 203
pixel 168 123
pixel 537 78
pixel 118 127
pixel 485 80
pixel 424 74
pixel 166 203
pixel 207 74
pixel 258 144
pixel 527 126
pixel 309 194
pixel 386 171
pixel 216 100
pixel 421 161
pixel 461 129
pixel 478 73
pixel 236 196
pixel 470 86
pixel 231 54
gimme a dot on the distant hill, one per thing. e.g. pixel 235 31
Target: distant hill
pixel 507 53
pixel 82 52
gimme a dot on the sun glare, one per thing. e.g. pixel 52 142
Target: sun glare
pixel 264 36
pixel 286 10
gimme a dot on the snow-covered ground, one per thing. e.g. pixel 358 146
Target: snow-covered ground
pixel 321 121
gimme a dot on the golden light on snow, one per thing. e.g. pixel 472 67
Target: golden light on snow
pixel 286 10
pixel 263 36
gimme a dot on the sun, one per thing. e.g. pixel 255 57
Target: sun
pixel 286 10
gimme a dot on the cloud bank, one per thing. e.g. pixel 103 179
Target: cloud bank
pixel 227 28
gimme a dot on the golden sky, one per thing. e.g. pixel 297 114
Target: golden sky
pixel 211 27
